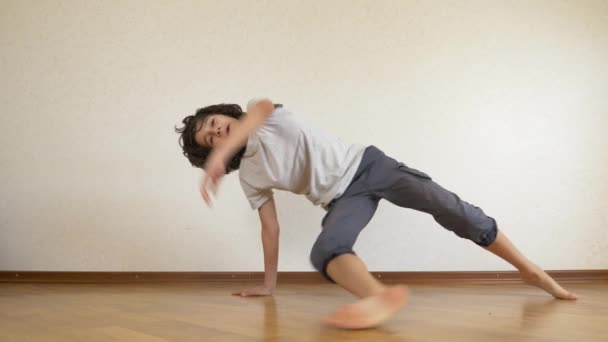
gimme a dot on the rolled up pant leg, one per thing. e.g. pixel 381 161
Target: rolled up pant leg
pixel 410 188
pixel 341 227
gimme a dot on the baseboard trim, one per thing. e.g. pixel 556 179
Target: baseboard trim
pixel 486 277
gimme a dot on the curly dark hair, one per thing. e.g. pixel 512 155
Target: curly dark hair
pixel 197 154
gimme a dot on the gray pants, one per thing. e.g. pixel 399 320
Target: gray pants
pixel 381 177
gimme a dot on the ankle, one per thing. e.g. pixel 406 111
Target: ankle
pixel 376 290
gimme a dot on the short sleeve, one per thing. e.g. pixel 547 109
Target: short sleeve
pixel 256 197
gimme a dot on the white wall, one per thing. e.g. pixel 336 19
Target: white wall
pixel 503 102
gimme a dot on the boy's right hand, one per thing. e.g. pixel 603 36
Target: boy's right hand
pixel 256 291
pixel 215 168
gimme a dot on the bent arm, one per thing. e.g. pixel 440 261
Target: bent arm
pixel 255 116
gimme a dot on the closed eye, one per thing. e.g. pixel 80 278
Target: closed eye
pixel 212 123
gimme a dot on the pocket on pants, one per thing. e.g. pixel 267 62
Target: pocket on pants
pixel 411 171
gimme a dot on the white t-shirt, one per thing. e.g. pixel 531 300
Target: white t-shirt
pixel 287 153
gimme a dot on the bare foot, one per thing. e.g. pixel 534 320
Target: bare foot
pixel 369 312
pixel 539 278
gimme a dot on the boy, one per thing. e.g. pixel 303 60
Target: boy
pixel 274 149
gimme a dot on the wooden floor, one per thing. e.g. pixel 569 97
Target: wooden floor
pixel 206 312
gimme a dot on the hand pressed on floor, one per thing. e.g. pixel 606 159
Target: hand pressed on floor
pixel 256 291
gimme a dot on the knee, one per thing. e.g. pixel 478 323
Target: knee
pixel 323 251
pixel 319 254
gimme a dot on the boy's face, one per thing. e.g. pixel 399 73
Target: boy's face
pixel 213 131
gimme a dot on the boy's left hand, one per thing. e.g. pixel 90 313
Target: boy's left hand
pixel 254 292
pixel 215 169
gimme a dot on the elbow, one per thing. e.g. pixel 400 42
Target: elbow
pixel 262 105
pixel 266 107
